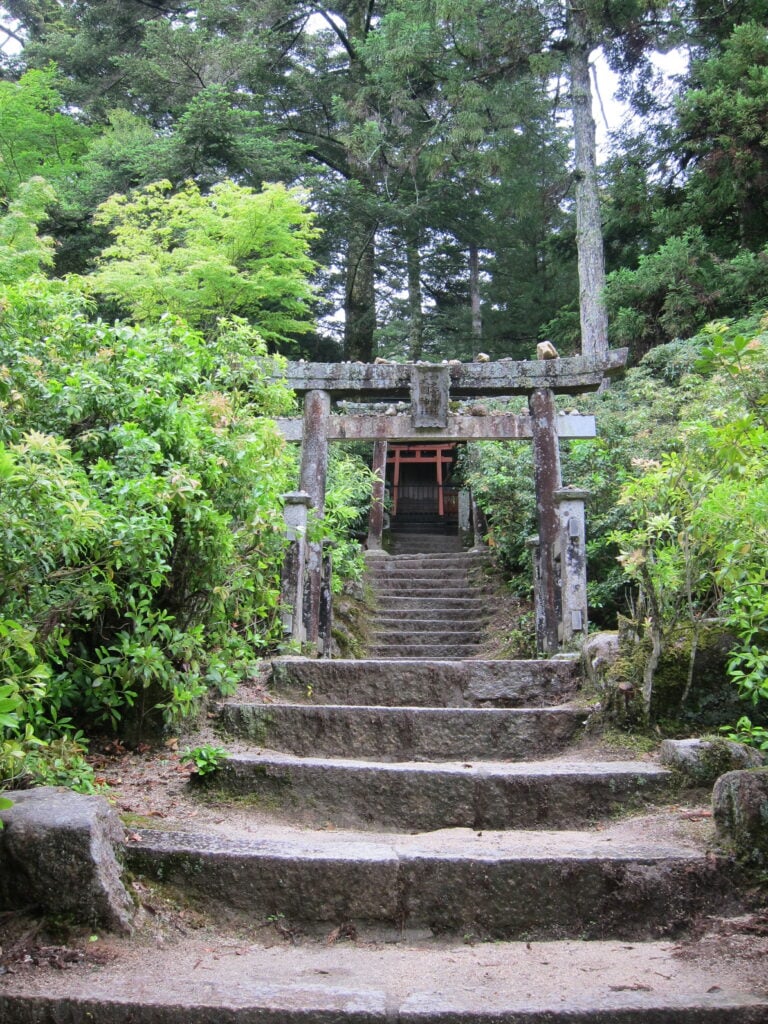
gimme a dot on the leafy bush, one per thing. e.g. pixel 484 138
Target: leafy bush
pixel 142 540
pixel 207 759
pixel 696 542
pixel 678 490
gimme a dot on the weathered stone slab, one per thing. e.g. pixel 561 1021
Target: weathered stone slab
pixel 505 377
pixel 702 761
pixel 740 810
pixel 194 981
pixel 430 385
pixel 57 852
pixel 405 733
pixel 426 631
pixel 389 618
pixel 299 879
pixel 432 574
pixel 427 796
pixel 439 684
pixel 534 885
pixel 424 651
pixel 501 426
pixel 424 586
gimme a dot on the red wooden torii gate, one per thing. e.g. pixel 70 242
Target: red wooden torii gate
pixel 437 455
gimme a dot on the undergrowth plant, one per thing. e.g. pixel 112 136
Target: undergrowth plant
pixel 141 480
pixel 696 544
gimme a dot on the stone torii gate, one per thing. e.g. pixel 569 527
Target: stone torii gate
pixel 559 559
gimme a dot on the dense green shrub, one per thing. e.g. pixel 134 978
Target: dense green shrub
pixel 140 502
pixel 696 540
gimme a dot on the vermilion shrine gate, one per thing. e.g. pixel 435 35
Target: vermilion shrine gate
pixel 559 559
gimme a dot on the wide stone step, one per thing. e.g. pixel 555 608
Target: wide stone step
pixel 418 586
pixel 435 581
pixel 435 633
pixel 387 624
pixel 396 602
pixel 219 979
pixel 427 796
pixel 426 684
pixel 421 618
pixel 429 560
pixel 507 885
pixel 376 575
pixel 405 733
pixel 424 545
pixel 428 652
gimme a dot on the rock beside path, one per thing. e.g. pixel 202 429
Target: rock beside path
pixel 58 852
pixel 740 810
pixel 701 762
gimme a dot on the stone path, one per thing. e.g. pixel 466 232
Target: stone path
pixel 432 820
pixel 429 605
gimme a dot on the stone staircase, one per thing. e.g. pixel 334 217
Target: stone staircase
pixel 429 605
pixel 419 530
pixel 433 850
pixel 463 820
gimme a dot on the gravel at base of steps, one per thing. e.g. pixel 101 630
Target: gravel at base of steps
pixel 223 980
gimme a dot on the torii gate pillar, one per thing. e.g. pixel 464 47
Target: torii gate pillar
pixel 547 479
pixel 376 518
pixel 314 471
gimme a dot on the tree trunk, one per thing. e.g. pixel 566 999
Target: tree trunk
pixel 589 235
pixel 416 316
pixel 360 270
pixel 360 293
pixel 474 292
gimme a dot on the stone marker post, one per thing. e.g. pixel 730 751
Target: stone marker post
pixel 376 518
pixel 573 562
pixel 295 510
pixel 314 470
pixel 325 624
pixel 479 526
pixel 532 543
pixel 546 471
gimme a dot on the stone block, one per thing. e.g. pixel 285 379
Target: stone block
pixel 599 652
pixel 702 761
pixel 740 810
pixel 58 853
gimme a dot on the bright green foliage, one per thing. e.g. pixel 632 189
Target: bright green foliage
pixel 347 503
pixel 22 250
pixel 142 534
pixel 231 252
pixel 745 732
pixel 677 482
pixel 35 137
pixel 206 759
pixel 674 291
pixel 697 540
